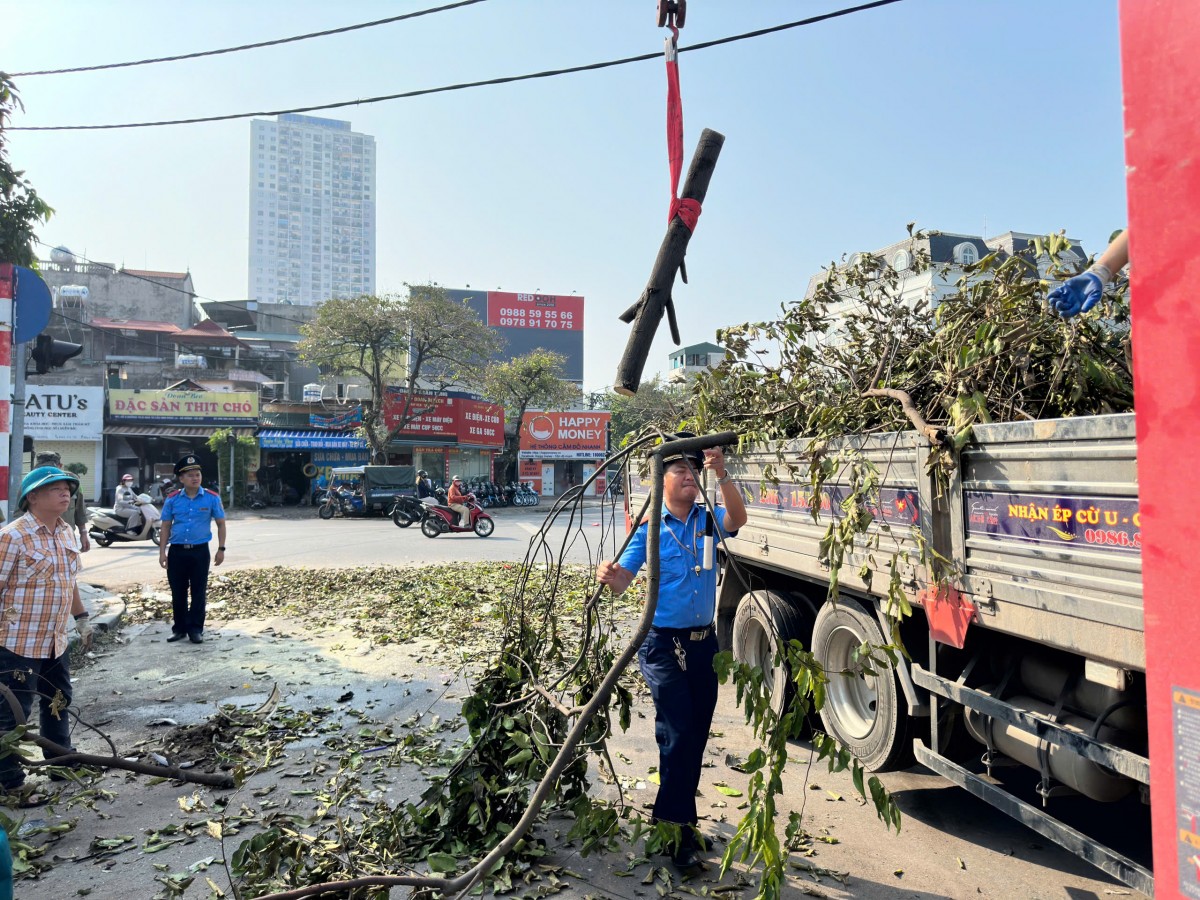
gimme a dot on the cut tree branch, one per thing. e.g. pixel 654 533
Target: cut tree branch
pixel 935 435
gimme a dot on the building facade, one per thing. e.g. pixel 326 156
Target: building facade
pixel 312 210
pixel 688 362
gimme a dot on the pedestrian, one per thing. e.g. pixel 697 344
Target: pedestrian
pixel 187 518
pixel 676 659
pixel 77 515
pixel 39 562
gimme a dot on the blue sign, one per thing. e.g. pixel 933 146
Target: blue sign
pixel 31 305
pixel 309 440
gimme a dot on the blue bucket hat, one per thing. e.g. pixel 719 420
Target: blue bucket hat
pixel 42 476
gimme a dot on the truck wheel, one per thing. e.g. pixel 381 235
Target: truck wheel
pixel 763 621
pixel 864 712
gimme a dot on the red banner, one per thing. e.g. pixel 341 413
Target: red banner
pixel 480 423
pixel 546 312
pixel 452 418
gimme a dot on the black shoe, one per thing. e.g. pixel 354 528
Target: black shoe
pixel 195 637
pixel 176 636
pixel 686 857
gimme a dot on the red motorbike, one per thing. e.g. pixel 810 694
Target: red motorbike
pixel 444 520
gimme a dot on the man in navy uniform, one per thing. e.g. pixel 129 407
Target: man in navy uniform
pixel 187 518
pixel 676 658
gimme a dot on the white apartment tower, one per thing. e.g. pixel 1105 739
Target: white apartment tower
pixel 312 210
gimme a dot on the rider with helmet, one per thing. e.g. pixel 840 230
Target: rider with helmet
pixel 424 486
pixel 125 503
pixel 457 499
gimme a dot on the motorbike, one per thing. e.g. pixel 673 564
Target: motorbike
pixel 344 502
pixel 443 520
pixel 105 527
pixel 406 510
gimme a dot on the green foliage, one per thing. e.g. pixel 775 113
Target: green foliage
pixel 421 343
pixel 21 209
pixel 533 381
pixel 76 468
pixel 245 449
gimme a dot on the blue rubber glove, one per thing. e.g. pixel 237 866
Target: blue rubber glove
pixel 1076 295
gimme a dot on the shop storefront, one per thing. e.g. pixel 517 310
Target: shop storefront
pixel 453 435
pixel 147 431
pixel 291 459
pixel 69 421
pixel 560 450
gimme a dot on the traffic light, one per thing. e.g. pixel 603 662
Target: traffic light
pixel 49 353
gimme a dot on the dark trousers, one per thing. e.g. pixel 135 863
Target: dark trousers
pixel 28 678
pixel 188 568
pixel 684 702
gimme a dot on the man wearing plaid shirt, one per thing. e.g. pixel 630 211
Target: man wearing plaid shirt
pixel 39 561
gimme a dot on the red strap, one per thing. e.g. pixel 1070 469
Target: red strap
pixel 687 210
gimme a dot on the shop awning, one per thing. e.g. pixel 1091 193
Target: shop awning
pixel 133 429
pixel 309 440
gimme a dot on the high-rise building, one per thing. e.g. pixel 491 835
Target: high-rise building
pixel 312 210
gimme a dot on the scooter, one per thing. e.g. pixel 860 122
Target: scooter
pixel 444 520
pixel 106 527
pixel 407 509
pixel 342 501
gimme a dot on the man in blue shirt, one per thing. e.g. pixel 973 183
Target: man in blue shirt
pixel 187 518
pixel 676 658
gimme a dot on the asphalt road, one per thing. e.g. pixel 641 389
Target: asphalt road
pixel 296 537
pixel 951 844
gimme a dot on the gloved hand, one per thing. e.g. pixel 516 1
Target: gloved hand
pixel 86 633
pixel 1076 295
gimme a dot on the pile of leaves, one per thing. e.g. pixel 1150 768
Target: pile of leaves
pixel 462 611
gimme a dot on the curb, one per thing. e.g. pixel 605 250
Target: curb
pixel 106 610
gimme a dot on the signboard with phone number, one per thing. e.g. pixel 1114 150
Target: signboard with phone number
pixel 1110 523
pixel 541 311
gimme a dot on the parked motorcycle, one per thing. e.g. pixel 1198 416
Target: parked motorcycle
pixel 106 527
pixel 443 520
pixel 407 509
pixel 341 501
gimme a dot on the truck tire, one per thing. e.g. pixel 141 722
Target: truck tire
pixel 865 712
pixel 764 620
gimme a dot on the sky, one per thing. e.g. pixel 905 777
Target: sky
pixel 976 117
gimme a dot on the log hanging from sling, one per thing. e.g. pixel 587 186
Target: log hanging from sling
pixel 656 298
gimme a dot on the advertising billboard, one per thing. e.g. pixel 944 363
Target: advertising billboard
pixel 447 417
pixel 184 407
pixel 63 413
pixel 564 435
pixel 531 321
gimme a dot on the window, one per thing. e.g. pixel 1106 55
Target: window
pixel 902 260
pixel 965 254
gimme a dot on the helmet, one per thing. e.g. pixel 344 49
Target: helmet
pixel 456 478
pixel 422 474
pixel 42 476
pixel 696 457
pixel 127 477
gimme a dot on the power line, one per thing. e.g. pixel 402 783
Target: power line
pixel 255 46
pixel 462 86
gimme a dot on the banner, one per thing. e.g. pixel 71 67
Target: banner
pixel 564 435
pixel 341 422
pixel 546 312
pixel 184 407
pixel 64 413
pixel 451 418
pixel 480 423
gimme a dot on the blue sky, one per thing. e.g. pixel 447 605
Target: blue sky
pixel 977 117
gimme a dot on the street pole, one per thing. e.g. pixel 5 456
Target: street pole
pixel 16 455
pixel 232 446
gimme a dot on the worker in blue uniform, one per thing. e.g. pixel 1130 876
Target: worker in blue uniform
pixel 676 659
pixel 187 519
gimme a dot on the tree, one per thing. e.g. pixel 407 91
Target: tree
pixel 21 209
pixel 533 381
pixel 407 349
pixel 656 404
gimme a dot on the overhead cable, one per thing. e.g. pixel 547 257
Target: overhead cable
pixel 509 79
pixel 255 46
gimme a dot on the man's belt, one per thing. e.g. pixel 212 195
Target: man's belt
pixel 686 634
pixel 203 546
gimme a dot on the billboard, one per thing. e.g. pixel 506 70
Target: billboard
pixel 447 417
pixel 63 413
pixel 523 320
pixel 184 407
pixel 564 435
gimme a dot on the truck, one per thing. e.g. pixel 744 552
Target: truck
pixel 1028 647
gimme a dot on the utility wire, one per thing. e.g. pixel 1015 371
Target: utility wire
pixel 509 79
pixel 256 46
